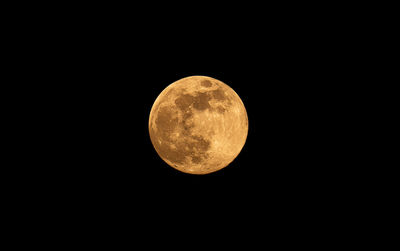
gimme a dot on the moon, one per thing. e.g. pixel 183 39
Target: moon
pixel 198 125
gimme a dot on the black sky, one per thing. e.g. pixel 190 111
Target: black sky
pixel 100 77
pixel 283 81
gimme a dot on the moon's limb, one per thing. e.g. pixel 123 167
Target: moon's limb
pixel 198 125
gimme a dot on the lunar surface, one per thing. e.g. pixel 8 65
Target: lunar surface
pixel 198 125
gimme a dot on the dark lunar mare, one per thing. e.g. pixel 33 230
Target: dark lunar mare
pixel 206 83
pixel 193 146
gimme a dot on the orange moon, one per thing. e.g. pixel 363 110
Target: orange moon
pixel 198 125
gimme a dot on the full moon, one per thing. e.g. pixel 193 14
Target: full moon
pixel 198 125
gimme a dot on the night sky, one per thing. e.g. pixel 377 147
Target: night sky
pixel 103 79
pixel 110 92
pixel 280 87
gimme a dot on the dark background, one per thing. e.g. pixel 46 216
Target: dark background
pixel 285 82
pixel 99 72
